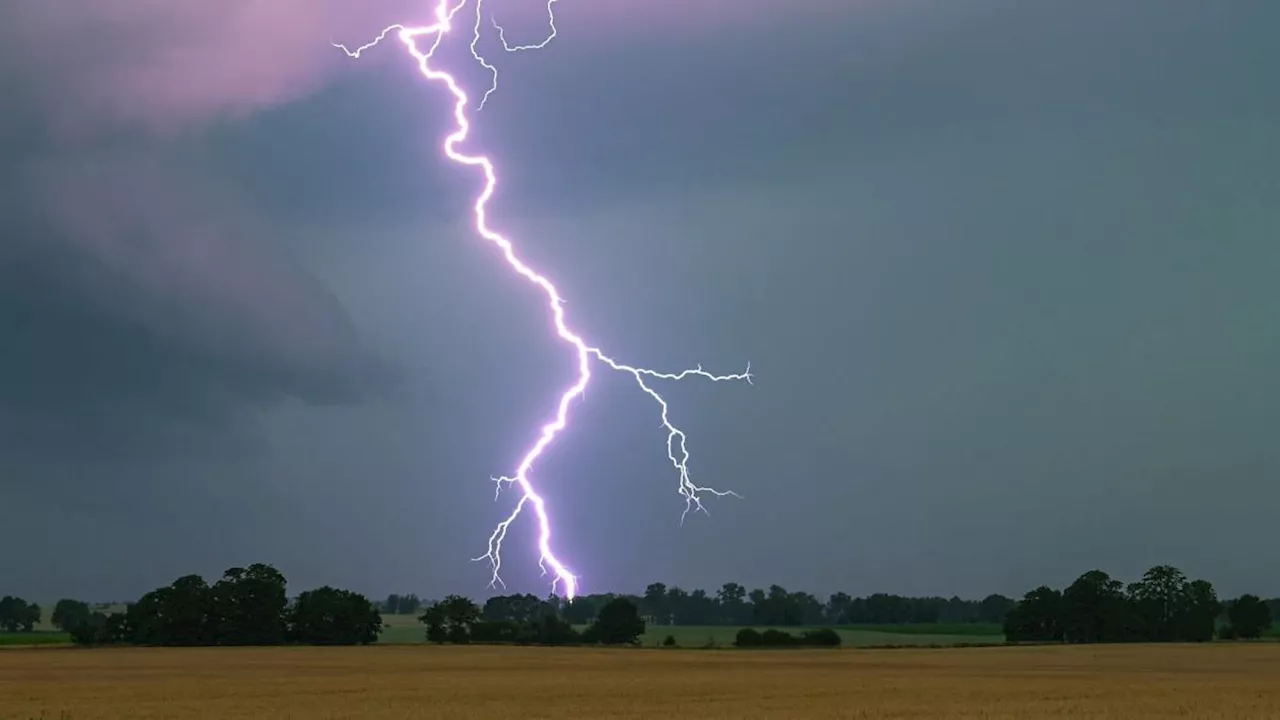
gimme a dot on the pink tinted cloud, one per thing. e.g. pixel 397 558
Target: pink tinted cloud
pixel 170 64
pixel 186 258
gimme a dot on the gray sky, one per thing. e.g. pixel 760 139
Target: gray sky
pixel 1004 271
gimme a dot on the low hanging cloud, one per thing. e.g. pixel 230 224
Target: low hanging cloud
pixel 168 66
pixel 142 293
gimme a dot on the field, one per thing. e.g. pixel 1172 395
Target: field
pixel 40 637
pixel 1222 680
pixel 401 629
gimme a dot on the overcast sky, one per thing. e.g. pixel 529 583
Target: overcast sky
pixel 1005 271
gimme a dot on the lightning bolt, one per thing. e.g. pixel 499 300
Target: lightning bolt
pixel 414 38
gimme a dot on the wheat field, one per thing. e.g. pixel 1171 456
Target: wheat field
pixel 1206 681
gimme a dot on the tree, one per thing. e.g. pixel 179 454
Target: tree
pixel 100 628
pixel 329 616
pixel 1036 618
pixel 249 606
pixel 18 615
pixel 460 614
pixel 515 608
pixel 451 620
pixel 1249 617
pixel 434 618
pixel 677 607
pixel 655 604
pixel 1094 609
pixel 619 623
pixel 732 599
pixel 1159 599
pixel 179 614
pixel 777 607
pixel 993 608
pixel 837 610
pixel 1170 608
pixel 1200 618
pixel 582 609
pixel 69 614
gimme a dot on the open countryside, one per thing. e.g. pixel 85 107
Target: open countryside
pixel 477 683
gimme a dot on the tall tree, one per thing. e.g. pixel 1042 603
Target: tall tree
pixel 993 608
pixel 1249 617
pixel 1199 620
pixel 1094 609
pixel 1160 601
pixel 1036 618
pixel 329 616
pixel 837 610
pixel 655 605
pixel 18 615
pixel 179 614
pixel 249 606
pixel 734 609
pixel 69 614
pixel 619 623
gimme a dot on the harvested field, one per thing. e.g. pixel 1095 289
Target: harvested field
pixel 1205 681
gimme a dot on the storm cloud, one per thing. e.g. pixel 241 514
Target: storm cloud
pixel 1001 269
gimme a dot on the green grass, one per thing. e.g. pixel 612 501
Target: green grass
pixel 402 629
pixel 980 629
pixel 405 629
pixel 872 636
pixel 38 637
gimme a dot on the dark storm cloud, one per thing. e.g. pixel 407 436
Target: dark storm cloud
pixel 1001 268
pixel 148 302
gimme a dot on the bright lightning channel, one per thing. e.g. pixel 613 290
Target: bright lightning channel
pixel 433 35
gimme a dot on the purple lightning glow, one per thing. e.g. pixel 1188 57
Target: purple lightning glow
pixel 677 451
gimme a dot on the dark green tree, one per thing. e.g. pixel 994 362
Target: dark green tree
pixel 434 618
pixel 249 606
pixel 180 614
pixel 329 616
pixel 1248 616
pixel 1094 609
pixel 18 615
pixel 1036 618
pixel 68 613
pixel 993 608
pixel 451 620
pixel 837 610
pixel 619 623
pixel 1200 618
pixel 1170 608
pixel 515 608
pixel 733 606
pixel 655 605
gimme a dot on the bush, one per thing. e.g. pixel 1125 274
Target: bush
pixel 748 637
pixel 825 637
pixel 670 641
pixel 776 638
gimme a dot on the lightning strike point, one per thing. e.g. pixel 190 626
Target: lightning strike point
pixel 677 452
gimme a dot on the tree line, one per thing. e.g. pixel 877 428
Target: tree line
pixel 733 604
pixel 1164 606
pixel 528 620
pixel 247 606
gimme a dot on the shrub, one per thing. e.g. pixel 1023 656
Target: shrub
pixel 748 637
pixel 825 637
pixel 776 638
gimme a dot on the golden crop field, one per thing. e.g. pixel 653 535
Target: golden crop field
pixel 1206 681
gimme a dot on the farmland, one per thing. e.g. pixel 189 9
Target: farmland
pixel 1216 680
pixel 402 629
